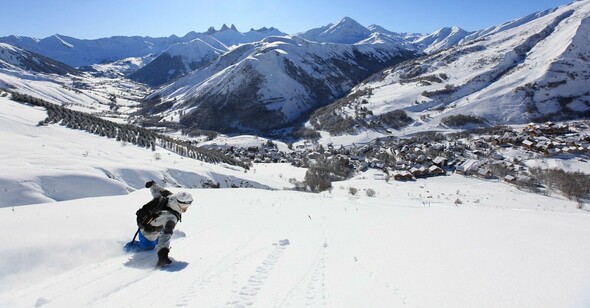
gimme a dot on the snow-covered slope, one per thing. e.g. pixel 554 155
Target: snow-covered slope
pixel 14 58
pixel 79 52
pixel 535 68
pixel 441 39
pixel 28 73
pixel 269 84
pixel 178 60
pixel 346 31
pixel 119 68
pixel 183 58
pixel 409 246
pixel 230 36
pixel 55 163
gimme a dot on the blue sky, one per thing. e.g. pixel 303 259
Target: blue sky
pixel 90 19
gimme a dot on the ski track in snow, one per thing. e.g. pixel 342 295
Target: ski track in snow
pixel 379 283
pixel 313 284
pixel 247 294
pixel 223 267
pixel 91 280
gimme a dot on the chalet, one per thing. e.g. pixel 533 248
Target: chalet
pixel 440 161
pixel 509 178
pixel 435 170
pixel 402 175
pixel 484 173
pixel 416 172
pixel 523 178
pixel 421 158
pixel 468 167
pixel 528 144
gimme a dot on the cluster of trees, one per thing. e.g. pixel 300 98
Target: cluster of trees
pixel 121 132
pixel 323 171
pixel 573 185
pixel 459 120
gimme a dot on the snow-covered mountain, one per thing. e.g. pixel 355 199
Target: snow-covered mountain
pixel 79 52
pixel 86 52
pixel 183 58
pixel 178 60
pixel 269 84
pixel 13 58
pixel 119 68
pixel 532 69
pixel 346 31
pixel 442 39
pixel 28 73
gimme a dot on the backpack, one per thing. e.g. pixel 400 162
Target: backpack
pixel 149 212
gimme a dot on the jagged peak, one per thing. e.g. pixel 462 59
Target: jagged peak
pixel 263 29
pixel 211 30
pixel 224 27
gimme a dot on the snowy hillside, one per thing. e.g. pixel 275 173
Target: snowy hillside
pixel 247 247
pixel 410 245
pixel 34 169
pixel 13 58
pixel 346 31
pixel 27 73
pixel 442 39
pixel 533 69
pixel 119 68
pixel 178 60
pixel 79 52
pixel 269 84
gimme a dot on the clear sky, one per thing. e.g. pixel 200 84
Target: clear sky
pixel 88 19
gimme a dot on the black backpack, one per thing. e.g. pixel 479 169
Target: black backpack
pixel 151 211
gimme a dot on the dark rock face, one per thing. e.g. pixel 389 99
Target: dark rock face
pixel 163 69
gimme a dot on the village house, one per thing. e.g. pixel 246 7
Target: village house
pixel 402 175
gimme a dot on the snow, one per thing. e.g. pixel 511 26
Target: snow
pixel 489 76
pixel 412 244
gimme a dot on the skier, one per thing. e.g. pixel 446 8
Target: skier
pixel 157 219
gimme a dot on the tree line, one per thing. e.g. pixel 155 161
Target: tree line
pixel 128 133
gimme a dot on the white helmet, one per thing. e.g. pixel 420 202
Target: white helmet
pixel 184 198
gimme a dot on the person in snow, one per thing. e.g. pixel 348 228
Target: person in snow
pixel 156 220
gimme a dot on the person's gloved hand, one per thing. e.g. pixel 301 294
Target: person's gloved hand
pixel 149 184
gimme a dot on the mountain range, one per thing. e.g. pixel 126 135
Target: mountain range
pixel 340 78
pixel 534 69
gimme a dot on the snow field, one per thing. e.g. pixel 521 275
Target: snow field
pixel 249 247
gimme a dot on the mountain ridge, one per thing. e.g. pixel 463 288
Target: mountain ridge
pixel 534 71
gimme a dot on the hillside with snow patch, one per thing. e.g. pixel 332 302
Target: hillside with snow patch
pixel 71 198
pixel 529 70
pixel 268 85
pixel 35 171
